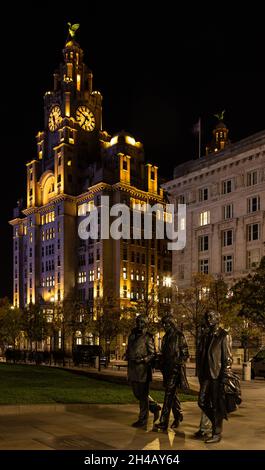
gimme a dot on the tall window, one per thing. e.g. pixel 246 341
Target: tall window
pixel 203 194
pixel 228 263
pixel 228 211
pixel 204 266
pixel 253 258
pixel 227 237
pixel 227 186
pixel 253 231
pixel 204 243
pixel 181 199
pixel 204 218
pixel 181 271
pixel 82 277
pixel 252 178
pixel 125 292
pixel 253 204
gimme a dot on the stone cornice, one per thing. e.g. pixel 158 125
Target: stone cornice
pixel 16 221
pixel 49 205
pixel 133 191
pixel 92 191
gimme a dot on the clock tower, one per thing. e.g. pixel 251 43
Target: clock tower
pixel 72 123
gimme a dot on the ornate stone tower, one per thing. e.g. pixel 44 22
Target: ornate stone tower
pixel 220 136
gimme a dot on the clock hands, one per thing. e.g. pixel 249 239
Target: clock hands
pixel 85 118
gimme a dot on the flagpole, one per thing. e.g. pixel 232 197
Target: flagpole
pixel 199 137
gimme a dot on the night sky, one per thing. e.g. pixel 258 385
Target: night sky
pixel 158 72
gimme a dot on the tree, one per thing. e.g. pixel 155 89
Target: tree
pixel 35 325
pixel 69 317
pixel 11 321
pixel 249 294
pixel 108 323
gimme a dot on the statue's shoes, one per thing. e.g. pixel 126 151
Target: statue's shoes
pixel 177 422
pixel 160 427
pixel 214 439
pixel 139 424
pixel 201 435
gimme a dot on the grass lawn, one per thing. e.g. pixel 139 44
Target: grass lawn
pixel 22 384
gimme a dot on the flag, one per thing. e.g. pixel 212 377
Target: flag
pixel 197 131
pixel 197 127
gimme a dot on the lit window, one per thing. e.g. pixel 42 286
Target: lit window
pixel 82 277
pixel 78 338
pixel 167 281
pixel 125 292
pixel 124 273
pixel 78 82
pixel 204 218
pixel 253 258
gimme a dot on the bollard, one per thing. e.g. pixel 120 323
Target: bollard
pixel 247 370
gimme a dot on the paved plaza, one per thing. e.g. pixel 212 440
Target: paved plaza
pixel 106 427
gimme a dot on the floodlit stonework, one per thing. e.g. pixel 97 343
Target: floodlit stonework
pixel 225 196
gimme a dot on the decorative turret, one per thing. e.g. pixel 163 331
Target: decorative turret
pixel 220 135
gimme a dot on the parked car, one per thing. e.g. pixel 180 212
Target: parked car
pixel 87 354
pixel 258 364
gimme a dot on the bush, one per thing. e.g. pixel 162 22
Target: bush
pixel 14 355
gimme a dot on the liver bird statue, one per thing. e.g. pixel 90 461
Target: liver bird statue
pixel 73 28
pixel 220 116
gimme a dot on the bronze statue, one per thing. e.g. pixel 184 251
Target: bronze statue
pixel 73 28
pixel 220 116
pixel 140 355
pixel 214 364
pixel 205 428
pixel 174 353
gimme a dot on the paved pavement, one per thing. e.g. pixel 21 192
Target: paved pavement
pixel 106 427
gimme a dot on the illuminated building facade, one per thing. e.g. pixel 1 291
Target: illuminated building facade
pixel 77 162
pixel 225 196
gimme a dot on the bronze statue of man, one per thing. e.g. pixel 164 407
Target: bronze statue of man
pixel 214 363
pixel 140 355
pixel 174 354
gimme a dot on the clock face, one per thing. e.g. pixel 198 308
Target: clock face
pixel 85 118
pixel 55 118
